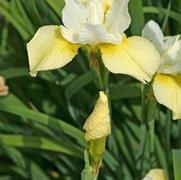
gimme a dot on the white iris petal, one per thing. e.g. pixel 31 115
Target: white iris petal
pixel 95 12
pixel 93 22
pixel 170 48
pixel 118 18
pixel 94 34
pixel 152 32
pixel 171 60
pixel 74 15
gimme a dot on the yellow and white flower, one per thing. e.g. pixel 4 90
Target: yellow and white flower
pixel 156 174
pixel 98 123
pixel 100 24
pixel 3 87
pixel 167 82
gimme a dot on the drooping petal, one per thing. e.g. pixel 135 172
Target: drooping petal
pixel 118 19
pixel 94 34
pixel 153 32
pixel 135 56
pixel 48 50
pixel 167 90
pixel 156 174
pixel 74 14
pixel 98 123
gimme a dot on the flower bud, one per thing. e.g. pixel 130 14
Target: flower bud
pixel 156 174
pixel 3 87
pixel 98 123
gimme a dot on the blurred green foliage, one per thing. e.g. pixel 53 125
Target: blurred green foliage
pixel 42 118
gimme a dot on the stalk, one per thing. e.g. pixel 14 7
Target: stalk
pixel 96 148
pixel 148 105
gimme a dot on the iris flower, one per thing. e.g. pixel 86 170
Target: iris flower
pixel 98 24
pixel 156 174
pixel 167 82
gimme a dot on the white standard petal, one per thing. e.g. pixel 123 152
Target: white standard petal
pixel 171 60
pixel 152 32
pixel 95 12
pixel 70 35
pixel 74 15
pixel 118 19
pixel 169 41
pixel 94 34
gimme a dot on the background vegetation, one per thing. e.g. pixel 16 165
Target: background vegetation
pixel 42 118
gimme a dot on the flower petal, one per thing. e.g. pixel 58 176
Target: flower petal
pixel 70 35
pixel 153 32
pixel 74 14
pixel 48 50
pixel 135 56
pixel 170 41
pixel 171 59
pixel 118 18
pixel 94 34
pixel 95 12
pixel 167 90
pixel 156 174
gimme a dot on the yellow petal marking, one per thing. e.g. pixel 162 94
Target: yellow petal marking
pixel 98 123
pixel 167 90
pixel 49 50
pixel 135 56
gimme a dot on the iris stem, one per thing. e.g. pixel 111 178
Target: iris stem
pixel 96 148
pixel 148 111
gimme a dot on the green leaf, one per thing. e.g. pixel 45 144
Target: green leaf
pixel 16 156
pixel 137 16
pixel 14 72
pixel 54 123
pixel 12 99
pixel 120 91
pixel 77 84
pixel 37 173
pixel 39 143
pixel 11 16
pixel 158 10
pixel 56 5
pixel 177 163
pixel 43 119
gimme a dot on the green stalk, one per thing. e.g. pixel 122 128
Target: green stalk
pixel 96 148
pixel 148 111
pixel 144 129
pixel 99 72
